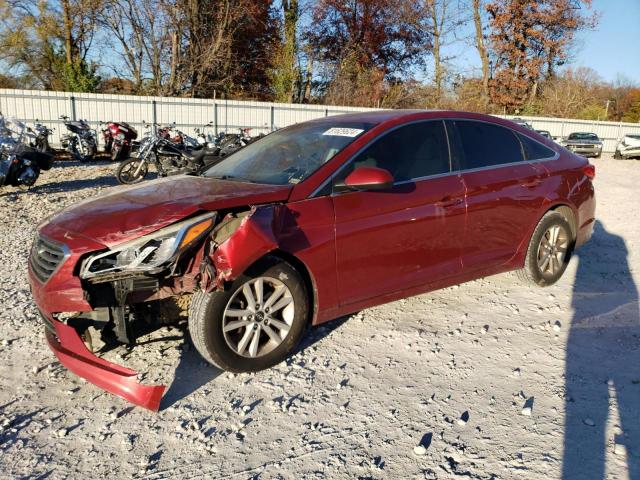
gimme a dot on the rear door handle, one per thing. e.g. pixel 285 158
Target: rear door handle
pixel 532 183
pixel 448 202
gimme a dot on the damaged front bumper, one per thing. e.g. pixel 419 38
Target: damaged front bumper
pixel 116 298
pixel 71 351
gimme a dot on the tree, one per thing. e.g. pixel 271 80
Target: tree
pixel 526 36
pixel 480 45
pixel 285 72
pixel 567 95
pixel 444 21
pixel 78 30
pixel 34 43
pixel 632 112
pixel 362 43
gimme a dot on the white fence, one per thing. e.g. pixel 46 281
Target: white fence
pixel 226 115
pixel 608 132
pixel 187 113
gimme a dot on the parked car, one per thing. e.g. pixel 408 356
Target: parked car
pixel 522 122
pixel 628 147
pixel 545 134
pixel 585 144
pixel 310 223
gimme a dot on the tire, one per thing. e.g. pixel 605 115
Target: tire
pixel 115 153
pixel 224 349
pixel 126 170
pixel 533 271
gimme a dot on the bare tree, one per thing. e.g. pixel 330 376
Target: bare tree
pixel 445 18
pixel 480 45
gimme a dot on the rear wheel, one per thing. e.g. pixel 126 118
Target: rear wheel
pixel 132 170
pixel 549 251
pixel 256 322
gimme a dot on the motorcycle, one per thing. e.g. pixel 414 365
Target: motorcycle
pixel 39 134
pixel 20 165
pixel 81 143
pixel 118 138
pixel 6 135
pixel 168 157
pixel 230 143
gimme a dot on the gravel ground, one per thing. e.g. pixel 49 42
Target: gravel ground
pixel 490 379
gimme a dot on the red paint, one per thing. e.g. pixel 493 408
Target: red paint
pixel 255 237
pixel 369 177
pixel 73 354
pixel 360 248
pixel 135 211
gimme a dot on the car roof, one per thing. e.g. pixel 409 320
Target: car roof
pixel 396 116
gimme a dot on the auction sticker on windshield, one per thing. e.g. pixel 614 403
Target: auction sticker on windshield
pixel 344 132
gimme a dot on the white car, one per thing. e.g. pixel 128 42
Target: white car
pixel 628 147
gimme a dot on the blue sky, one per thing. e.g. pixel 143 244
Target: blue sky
pixel 614 47
pixel 611 49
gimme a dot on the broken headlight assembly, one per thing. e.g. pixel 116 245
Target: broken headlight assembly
pixel 151 253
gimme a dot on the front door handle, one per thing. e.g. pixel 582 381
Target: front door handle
pixel 448 202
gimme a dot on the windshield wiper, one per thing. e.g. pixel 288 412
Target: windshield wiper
pixel 232 178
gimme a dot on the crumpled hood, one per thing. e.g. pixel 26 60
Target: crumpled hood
pixel 128 213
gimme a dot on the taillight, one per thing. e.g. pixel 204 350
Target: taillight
pixel 590 171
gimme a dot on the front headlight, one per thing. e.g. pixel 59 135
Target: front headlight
pixel 150 253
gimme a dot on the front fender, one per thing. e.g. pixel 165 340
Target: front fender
pixel 256 236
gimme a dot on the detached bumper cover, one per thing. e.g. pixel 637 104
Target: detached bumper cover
pixel 73 354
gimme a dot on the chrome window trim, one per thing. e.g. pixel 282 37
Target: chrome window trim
pixel 451 171
pixel 371 142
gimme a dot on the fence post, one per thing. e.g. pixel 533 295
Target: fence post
pixel 273 117
pixel 154 116
pixel 73 108
pixel 215 117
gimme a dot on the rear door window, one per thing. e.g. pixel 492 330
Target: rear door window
pixel 534 150
pixel 485 145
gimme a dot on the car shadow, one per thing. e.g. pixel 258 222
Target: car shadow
pixel 193 372
pixel 190 375
pixel 73 185
pixel 602 362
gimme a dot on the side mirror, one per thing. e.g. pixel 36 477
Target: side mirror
pixel 367 178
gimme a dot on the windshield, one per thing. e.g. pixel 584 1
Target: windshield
pixel 290 155
pixel 583 136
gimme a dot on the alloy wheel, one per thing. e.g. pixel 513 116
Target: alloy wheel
pixel 258 317
pixel 552 250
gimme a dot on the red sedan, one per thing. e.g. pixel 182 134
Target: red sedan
pixel 310 223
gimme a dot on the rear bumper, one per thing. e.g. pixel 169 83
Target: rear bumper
pixel 74 355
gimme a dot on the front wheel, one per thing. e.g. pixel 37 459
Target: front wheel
pixel 132 170
pixel 256 322
pixel 115 152
pixel 549 251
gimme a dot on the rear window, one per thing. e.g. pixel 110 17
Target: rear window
pixel 486 144
pixel 583 136
pixel 534 150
